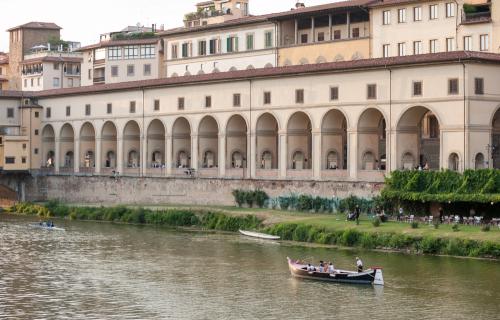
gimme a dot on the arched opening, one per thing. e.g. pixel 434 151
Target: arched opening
pixel 48 146
pixel 418 133
pixel 233 69
pixel 267 142
pixel 208 142
pixel 250 67
pixel 156 144
pixel 495 142
pixel 409 161
pixel 132 144
pixel 321 59
pixel 479 162
pixel 236 142
pixel 268 65
pixel 299 142
pixel 87 146
pixel 334 141
pixel 303 61
pixel 109 145
pixel 67 145
pixel 453 162
pixel 372 140
pixel 181 143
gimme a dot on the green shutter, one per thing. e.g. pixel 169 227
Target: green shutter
pixel 229 45
pixel 236 44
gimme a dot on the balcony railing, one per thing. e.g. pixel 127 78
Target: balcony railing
pixel 99 79
pixel 203 15
pixel 476 17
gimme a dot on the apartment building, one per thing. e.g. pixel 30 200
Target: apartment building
pixel 216 11
pixel 122 56
pixel 4 71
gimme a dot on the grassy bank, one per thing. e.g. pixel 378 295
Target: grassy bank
pixel 295 226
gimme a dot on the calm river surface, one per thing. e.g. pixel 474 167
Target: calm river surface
pixel 106 271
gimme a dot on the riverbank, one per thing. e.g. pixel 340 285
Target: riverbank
pixel 467 241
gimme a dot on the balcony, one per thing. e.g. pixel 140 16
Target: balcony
pixel 476 17
pixel 202 15
pixel 98 80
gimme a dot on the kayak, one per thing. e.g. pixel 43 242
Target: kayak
pixel 259 235
pixel 45 227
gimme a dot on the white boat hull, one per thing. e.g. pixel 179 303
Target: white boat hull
pixel 259 235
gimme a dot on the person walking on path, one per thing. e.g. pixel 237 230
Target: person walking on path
pixel 357 212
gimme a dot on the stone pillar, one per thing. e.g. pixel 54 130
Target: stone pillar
pixel 144 155
pixel 252 154
pixel 194 151
pixel 98 155
pixel 168 154
pixel 282 157
pixel 348 25
pixel 296 31
pixel 352 150
pixel 76 155
pixel 222 154
pixel 119 154
pixel 316 154
pixel 392 155
pixel 57 156
pixel 313 30
pixel 330 27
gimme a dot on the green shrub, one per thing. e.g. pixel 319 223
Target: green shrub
pixel 376 222
pixel 239 197
pixel 260 198
pixel 414 225
pixel 455 227
pixel 485 228
pixel 350 237
pixel 430 245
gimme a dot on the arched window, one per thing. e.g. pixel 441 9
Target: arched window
pixel 453 162
pixel 215 70
pixel 408 161
pixel 479 161
pixel 332 160
pixel 287 63
pixel 208 159
pixel 338 58
pixel 369 161
pixel 156 158
pixel 174 75
pixel 268 65
pixel 237 160
pixel 133 159
pixel 267 160
pixel 298 160
pixel 187 73
pixel 68 159
pixel 50 159
pixel 110 159
pixel 89 159
pixel 303 61
pixel 201 72
pixel 182 159
pixel 321 59
pixel 250 67
pixel 233 69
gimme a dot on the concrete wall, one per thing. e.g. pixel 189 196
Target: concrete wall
pixel 151 191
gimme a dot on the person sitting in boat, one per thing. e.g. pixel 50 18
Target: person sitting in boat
pixel 321 267
pixel 310 268
pixel 359 264
pixel 331 268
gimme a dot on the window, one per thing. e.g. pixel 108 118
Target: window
pixel 334 93
pixel 70 82
pixel 479 86
pixel 90 74
pixel 417 14
pixel 433 46
pixel 433 12
pixel 299 96
pixel 114 53
pixel 48 113
pixel 24 146
pixel 214 46
pixel 468 43
pixel 450 44
pixel 130 70
pixel 157 105
pixel 23 160
pixel 174 51
pixel 303 38
pixel 452 86
pixel 208 101
pixel 37 114
pixel 202 48
pixel 25 83
pixel 267 97
pixel 417 88
pixel 68 111
pixel 10 112
pixel 268 39
pixel 10 160
pixel 180 103
pixel 385 50
pixel 131 52
pixel 55 82
pixel 36 132
pixel 484 42
pixel 450 10
pixel 402 15
pixel 132 107
pixel 386 17
pixel 371 91
pixel 148 51
pixel 232 44
pixel 114 71
pixel 401 49
pixel 109 108
pixel 36 150
pixel 355 32
pixel 185 50
pixel 32 80
pixel 56 66
pixel 250 37
pixel 337 35
pixel 417 47
pixel 321 36
pixel 87 109
pixel 147 69
pixel 236 100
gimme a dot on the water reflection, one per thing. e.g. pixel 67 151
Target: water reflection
pixel 106 271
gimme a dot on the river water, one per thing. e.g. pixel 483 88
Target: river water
pixel 108 271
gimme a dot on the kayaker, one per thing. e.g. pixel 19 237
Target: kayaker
pixel 359 264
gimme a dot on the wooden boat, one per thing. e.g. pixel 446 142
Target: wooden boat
pixel 46 227
pixel 370 276
pixel 259 235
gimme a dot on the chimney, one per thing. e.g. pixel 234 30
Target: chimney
pixel 299 5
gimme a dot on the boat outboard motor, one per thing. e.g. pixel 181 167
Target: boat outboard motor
pixel 379 278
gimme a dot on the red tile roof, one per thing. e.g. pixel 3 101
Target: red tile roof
pixel 37 25
pixel 382 3
pixel 380 63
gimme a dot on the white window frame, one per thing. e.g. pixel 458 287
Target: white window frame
pixel 417 13
pixel 114 53
pixel 402 15
pixel 386 50
pixel 433 12
pixel 450 10
pixel 386 17
pixel 433 46
pixel 402 49
pixel 450 44
pixel 417 47
pixel 130 52
pixel 148 51
pixel 484 42
pixel 271 39
pixel 468 43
